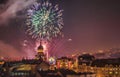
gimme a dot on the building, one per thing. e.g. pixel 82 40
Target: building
pixel 85 59
pixel 102 67
pixel 40 54
pixel 107 67
pixel 64 62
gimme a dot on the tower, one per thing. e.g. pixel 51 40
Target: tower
pixel 40 53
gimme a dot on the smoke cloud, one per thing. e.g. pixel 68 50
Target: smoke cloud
pixel 13 6
pixel 10 51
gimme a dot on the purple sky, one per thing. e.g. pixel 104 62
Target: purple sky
pixel 91 24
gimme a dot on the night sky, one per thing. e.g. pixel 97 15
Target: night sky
pixel 90 25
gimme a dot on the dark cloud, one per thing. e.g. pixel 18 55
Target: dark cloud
pixel 3 1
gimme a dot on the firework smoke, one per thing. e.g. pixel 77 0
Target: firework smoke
pixel 10 51
pixel 12 7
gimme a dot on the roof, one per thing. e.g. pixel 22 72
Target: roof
pixel 65 58
pixel 104 62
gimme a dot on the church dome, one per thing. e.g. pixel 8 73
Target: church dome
pixel 40 47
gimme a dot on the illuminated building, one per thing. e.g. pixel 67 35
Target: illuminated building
pixel 101 67
pixel 64 62
pixel 107 67
pixel 40 53
pixel 1 62
pixel 1 67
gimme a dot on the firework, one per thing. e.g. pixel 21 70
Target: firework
pixel 44 21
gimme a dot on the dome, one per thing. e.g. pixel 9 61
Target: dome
pixel 40 47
